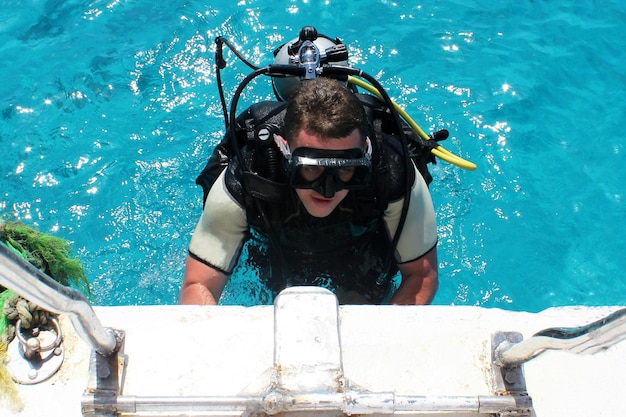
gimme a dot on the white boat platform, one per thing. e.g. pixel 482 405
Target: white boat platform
pixel 308 356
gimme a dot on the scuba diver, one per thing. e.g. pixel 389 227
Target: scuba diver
pixel 325 186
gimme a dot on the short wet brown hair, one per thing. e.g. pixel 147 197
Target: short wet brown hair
pixel 327 108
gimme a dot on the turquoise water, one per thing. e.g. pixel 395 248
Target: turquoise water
pixel 109 110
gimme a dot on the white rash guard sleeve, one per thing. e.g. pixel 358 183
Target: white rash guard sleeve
pixel 220 232
pixel 419 234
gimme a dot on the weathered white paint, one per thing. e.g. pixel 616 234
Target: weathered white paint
pixel 422 350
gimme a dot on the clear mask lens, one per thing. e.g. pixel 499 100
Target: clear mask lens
pixel 328 171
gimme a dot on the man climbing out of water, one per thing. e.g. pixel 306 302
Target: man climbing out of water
pixel 331 213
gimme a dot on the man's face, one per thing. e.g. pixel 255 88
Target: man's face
pixel 316 204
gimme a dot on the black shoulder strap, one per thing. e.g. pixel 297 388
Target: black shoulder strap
pixel 268 112
pixel 373 201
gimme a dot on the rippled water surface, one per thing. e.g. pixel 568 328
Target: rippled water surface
pixel 109 111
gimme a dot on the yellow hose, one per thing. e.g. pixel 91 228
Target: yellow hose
pixel 439 151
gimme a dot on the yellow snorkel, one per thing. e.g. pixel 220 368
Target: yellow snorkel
pixel 439 151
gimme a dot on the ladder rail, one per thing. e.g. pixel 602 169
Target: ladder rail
pixel 585 340
pixel 29 282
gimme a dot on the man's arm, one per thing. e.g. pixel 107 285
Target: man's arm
pixel 201 284
pixel 420 280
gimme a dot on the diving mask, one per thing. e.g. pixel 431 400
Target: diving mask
pixel 327 171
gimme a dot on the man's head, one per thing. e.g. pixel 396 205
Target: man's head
pixel 325 144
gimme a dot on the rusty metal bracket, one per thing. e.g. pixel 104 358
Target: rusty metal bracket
pixel 106 381
pixel 509 380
